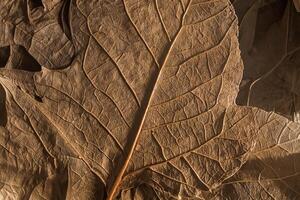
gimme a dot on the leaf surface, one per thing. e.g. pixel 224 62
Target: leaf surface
pixel 272 170
pixel 145 110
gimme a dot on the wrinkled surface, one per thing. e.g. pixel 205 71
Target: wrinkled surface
pixel 134 99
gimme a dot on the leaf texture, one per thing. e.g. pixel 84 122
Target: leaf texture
pixel 271 171
pixel 138 103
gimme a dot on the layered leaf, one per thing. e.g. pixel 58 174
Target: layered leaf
pixel 35 27
pixel 270 50
pixel 272 171
pixel 145 110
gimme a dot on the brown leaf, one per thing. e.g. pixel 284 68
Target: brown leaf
pixel 272 171
pixel 271 57
pixel 37 29
pixel 145 110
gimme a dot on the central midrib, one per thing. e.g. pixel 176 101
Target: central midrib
pixel 136 134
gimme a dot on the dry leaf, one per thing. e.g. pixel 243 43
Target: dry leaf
pixel 28 25
pixel 270 50
pixel 272 170
pixel 145 110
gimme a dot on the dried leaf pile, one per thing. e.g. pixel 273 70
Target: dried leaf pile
pixel 149 99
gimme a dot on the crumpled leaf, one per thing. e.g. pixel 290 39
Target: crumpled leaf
pixel 38 29
pixel 145 110
pixel 270 50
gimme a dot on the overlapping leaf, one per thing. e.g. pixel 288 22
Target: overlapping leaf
pixel 272 170
pixel 35 28
pixel 270 50
pixel 146 109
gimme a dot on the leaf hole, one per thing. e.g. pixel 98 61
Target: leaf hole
pixel 37 4
pixel 38 98
pixel 27 62
pixel 4 55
